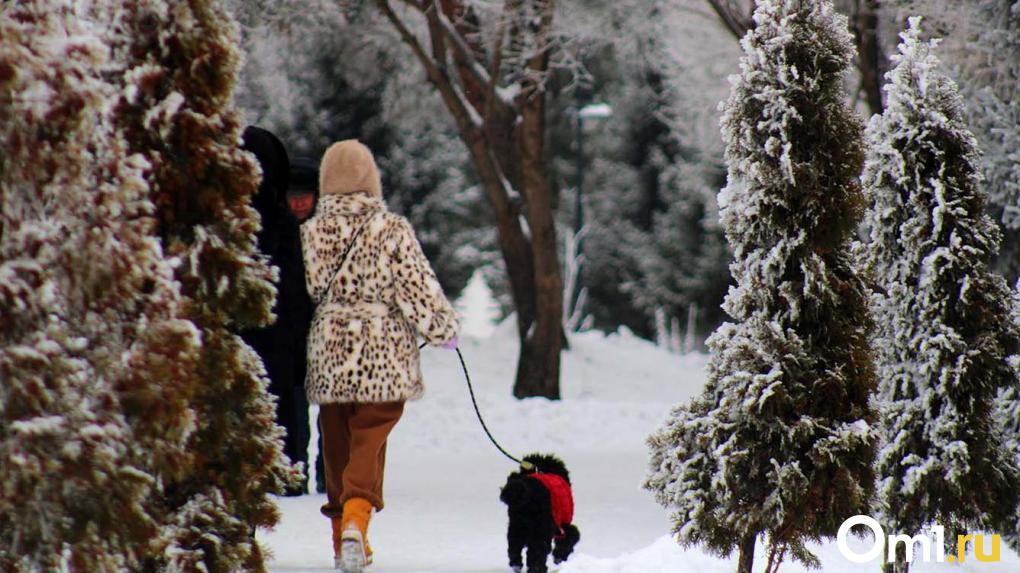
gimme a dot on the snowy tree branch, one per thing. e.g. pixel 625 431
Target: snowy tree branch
pixel 462 111
pixel 467 119
pixel 732 17
pixel 494 64
pixel 485 77
pixel 432 16
pixel 506 147
pixel 443 30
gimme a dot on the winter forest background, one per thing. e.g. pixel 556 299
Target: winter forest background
pixel 575 157
pixel 655 257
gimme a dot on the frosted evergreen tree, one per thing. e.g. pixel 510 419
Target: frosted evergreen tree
pixel 1008 418
pixel 982 50
pixel 94 400
pixel 944 325
pixel 178 63
pixel 780 442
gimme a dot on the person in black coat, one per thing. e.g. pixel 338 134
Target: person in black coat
pixel 302 198
pixel 283 345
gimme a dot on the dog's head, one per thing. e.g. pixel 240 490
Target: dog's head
pixel 515 491
pixel 548 464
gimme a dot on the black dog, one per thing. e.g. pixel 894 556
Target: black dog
pixel 541 506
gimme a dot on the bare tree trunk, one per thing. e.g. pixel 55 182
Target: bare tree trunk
pixel 900 565
pixel 538 371
pixel 746 559
pixel 871 59
pixel 507 149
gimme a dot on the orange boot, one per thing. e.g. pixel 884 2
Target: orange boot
pixel 338 532
pixel 355 553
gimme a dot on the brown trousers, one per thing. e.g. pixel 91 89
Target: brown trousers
pixel 354 451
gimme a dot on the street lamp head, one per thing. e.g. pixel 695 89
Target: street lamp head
pixel 596 111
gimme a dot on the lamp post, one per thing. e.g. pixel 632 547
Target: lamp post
pixel 593 111
pixel 590 111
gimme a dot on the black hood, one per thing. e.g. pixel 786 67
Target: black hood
pixel 272 157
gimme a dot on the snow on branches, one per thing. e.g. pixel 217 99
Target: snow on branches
pixel 94 410
pixel 945 331
pixel 1007 413
pixel 982 51
pixel 135 427
pixel 780 441
pixel 178 65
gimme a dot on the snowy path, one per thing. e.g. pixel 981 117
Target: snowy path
pixel 435 523
pixel 443 512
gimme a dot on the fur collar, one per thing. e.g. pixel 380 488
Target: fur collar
pixel 349 204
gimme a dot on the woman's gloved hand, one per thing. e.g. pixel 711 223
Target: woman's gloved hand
pixel 452 343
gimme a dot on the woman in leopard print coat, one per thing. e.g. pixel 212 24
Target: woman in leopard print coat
pixel 363 345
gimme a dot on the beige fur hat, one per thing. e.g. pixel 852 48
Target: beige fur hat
pixel 348 167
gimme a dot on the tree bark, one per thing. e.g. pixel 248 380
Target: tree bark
pixel 538 371
pixel 900 565
pixel 746 559
pixel 732 17
pixel 871 59
pixel 507 149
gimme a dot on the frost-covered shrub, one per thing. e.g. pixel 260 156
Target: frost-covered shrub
pixel 945 328
pixel 944 324
pixel 1007 414
pixel 178 64
pixel 95 363
pixel 780 441
pixel 982 51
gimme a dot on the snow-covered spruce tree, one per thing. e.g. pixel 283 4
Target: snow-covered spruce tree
pixel 94 386
pixel 780 441
pixel 982 51
pixel 1008 419
pixel 944 319
pixel 1007 413
pixel 179 62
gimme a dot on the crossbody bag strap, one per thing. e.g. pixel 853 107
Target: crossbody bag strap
pixel 350 248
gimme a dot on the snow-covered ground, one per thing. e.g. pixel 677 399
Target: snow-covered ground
pixel 443 513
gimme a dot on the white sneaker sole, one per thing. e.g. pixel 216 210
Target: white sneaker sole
pixel 352 557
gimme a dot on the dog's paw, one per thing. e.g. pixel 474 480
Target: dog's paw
pixel 516 568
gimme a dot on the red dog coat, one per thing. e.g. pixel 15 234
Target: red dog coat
pixel 561 497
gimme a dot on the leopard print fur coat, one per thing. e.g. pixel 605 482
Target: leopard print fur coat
pixel 362 346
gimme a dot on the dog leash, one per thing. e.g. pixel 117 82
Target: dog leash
pixel 471 390
pixel 525 466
